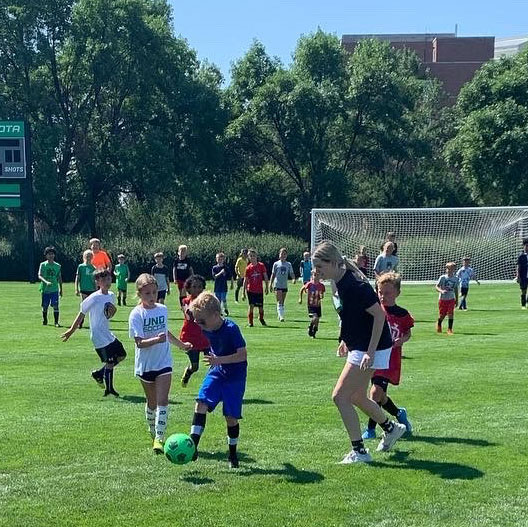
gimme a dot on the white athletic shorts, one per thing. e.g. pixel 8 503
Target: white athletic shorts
pixel 381 358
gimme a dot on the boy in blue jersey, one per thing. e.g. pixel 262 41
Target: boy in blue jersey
pixel 305 269
pixel 226 379
pixel 465 274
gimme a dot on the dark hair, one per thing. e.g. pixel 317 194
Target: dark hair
pixel 101 273
pixel 525 241
pixel 195 278
pixel 49 249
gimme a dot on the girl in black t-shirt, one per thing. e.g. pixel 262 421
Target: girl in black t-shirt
pixel 366 342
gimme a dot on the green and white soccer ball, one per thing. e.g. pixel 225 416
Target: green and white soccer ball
pixel 179 449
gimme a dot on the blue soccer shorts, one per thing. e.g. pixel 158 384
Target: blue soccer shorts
pixel 215 388
pixel 50 298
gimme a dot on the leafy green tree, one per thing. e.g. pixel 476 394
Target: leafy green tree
pixel 490 147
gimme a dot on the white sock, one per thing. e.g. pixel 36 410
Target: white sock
pixel 281 310
pixel 162 416
pixel 150 416
pixel 278 309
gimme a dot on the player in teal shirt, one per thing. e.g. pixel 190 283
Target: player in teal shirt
pixel 50 278
pixel 122 275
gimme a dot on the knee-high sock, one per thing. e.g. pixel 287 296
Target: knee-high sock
pixel 232 438
pixel 162 415
pixel 150 416
pixel 197 428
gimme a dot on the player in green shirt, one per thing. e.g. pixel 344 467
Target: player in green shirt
pixel 122 275
pixel 84 278
pixel 50 278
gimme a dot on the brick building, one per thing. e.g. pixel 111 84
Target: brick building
pixel 452 60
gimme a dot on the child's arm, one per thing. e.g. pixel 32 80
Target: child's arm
pixel 60 283
pixel 301 291
pixel 292 274
pixel 244 283
pixel 41 278
pixel 378 315
pixel 439 289
pixel 77 292
pixel 142 342
pixel 185 346
pixel 266 289
pixel 403 339
pixel 232 280
pixel 75 324
pixel 272 276
pixel 239 356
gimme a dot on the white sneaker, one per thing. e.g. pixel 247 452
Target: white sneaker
pixel 356 457
pixel 388 439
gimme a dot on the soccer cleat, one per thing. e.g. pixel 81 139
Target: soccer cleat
pixel 250 325
pixel 402 418
pixel 356 457
pixel 523 307
pixel 262 321
pixel 233 461
pixel 438 328
pixel 184 380
pixel 110 392
pixel 226 312
pixel 281 319
pixel 98 378
pixel 369 433
pixel 389 438
pixel 310 330
pixel 57 325
pixel 124 302
pixel 157 446
pixel 450 332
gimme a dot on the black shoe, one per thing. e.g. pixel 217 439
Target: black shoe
pixel 124 302
pixel 233 462
pixel 98 378
pixel 310 330
pixel 262 321
pixel 110 392
pixel 57 325
pixel 195 455
pixel 44 322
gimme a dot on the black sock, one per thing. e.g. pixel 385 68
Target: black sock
pixel 197 428
pixel 387 426
pixel 236 293
pixel 109 379
pixel 45 316
pixel 232 433
pixel 359 446
pixel 523 299
pixel 450 323
pixel 56 316
pixel 390 407
pixel 371 424
pixel 439 322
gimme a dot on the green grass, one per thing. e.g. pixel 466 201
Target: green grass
pixel 70 457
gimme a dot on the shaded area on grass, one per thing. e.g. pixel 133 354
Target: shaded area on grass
pixel 437 440
pixel 257 401
pixel 444 470
pixel 140 399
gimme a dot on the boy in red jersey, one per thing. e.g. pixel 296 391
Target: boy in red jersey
pixel 190 330
pixel 256 273
pixel 315 292
pixel 400 323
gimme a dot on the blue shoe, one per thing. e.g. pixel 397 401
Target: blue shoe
pixel 402 418
pixel 369 433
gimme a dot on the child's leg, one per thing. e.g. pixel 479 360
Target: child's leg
pixel 239 283
pixel 523 296
pixel 250 314
pixel 109 378
pixel 233 431
pixel 194 359
pixel 224 302
pixel 150 406
pixel 119 297
pixel 450 320
pixel 124 296
pixel 162 385
pixel 45 303
pixel 198 423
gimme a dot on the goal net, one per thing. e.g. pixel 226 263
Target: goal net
pixel 429 238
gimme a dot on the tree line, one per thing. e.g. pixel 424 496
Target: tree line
pixel 133 135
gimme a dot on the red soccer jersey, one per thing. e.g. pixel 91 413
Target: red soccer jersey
pixel 400 322
pixel 191 331
pixel 255 277
pixel 314 290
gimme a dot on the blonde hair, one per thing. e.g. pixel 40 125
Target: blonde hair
pixel 86 253
pixel 252 251
pixel 328 252
pixel 391 278
pixel 143 280
pixel 182 247
pixel 220 254
pixel 386 245
pixel 205 304
pixel 450 265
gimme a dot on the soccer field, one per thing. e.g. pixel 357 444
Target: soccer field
pixel 70 457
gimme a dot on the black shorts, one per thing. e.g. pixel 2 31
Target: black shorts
pixel 162 294
pixel 150 376
pixel 121 290
pixel 380 381
pixel 194 355
pixel 240 282
pixel 113 353
pixel 282 289
pixel 314 311
pixel 464 291
pixel 523 283
pixel 87 293
pixel 255 299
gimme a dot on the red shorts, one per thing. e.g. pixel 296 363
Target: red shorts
pixel 446 307
pixel 181 284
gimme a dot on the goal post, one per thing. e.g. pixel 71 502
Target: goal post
pixel 429 238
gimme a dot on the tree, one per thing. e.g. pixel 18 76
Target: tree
pixel 490 147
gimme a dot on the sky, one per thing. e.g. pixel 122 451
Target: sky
pixel 221 31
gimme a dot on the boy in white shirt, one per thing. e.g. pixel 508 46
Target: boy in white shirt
pixel 100 307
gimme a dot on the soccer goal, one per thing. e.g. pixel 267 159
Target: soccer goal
pixel 428 238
